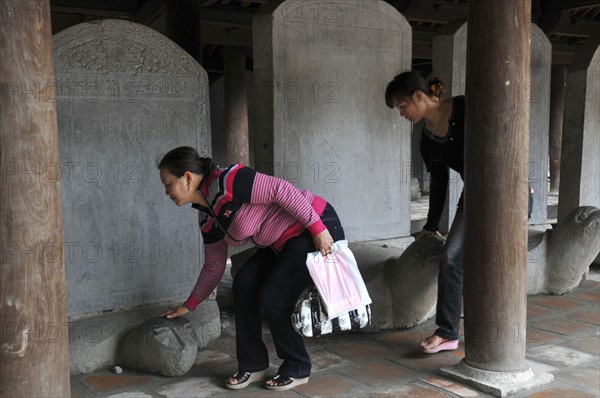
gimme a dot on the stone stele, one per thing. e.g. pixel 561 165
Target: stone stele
pixel 125 95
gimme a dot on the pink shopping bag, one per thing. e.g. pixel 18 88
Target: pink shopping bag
pixel 338 280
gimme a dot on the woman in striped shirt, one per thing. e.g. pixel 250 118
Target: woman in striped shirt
pixel 239 205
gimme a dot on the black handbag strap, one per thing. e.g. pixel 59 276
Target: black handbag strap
pixel 315 310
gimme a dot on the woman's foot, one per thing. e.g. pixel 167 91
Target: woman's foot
pixel 433 344
pixel 243 379
pixel 282 383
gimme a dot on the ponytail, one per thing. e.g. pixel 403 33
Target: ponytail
pixel 436 87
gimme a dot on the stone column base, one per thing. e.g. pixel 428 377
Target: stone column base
pixel 400 242
pixel 500 384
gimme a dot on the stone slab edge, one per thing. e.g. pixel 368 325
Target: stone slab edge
pixel 499 384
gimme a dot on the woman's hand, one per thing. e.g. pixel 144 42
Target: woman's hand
pixel 324 242
pixel 425 233
pixel 174 313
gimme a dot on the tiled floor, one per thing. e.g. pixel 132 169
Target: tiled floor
pixel 562 338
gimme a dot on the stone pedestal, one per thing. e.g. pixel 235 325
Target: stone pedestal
pixel 499 384
pixel 94 341
pixel 164 346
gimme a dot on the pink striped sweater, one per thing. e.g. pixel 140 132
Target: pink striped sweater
pixel 249 207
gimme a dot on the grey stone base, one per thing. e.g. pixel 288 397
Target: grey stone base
pixel 167 347
pixel 94 341
pixel 500 384
pixel 400 242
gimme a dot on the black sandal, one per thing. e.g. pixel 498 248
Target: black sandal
pixel 243 379
pixel 282 383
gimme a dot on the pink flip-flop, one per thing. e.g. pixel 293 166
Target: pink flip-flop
pixel 439 346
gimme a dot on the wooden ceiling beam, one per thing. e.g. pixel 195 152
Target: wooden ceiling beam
pixel 127 6
pixel 97 12
pixel 227 23
pixel 240 19
pixel 211 34
pixel 559 5
pixel 150 12
pixel 570 26
pixel 435 12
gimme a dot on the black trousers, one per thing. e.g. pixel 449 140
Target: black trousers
pixel 450 281
pixel 267 286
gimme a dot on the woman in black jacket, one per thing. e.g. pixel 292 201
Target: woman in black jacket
pixel 442 147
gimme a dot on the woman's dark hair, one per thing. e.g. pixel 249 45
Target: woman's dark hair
pixel 184 158
pixel 406 84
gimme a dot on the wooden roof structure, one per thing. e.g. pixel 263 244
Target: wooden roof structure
pixel 567 23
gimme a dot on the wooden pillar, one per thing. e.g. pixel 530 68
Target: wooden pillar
pixel 496 160
pixel 183 26
pixel 34 359
pixel 557 107
pixel 236 108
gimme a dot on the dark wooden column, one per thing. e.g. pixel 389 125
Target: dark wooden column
pixel 34 359
pixel 496 157
pixel 236 108
pixel 557 108
pixel 183 26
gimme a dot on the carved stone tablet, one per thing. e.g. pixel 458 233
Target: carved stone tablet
pixel 322 123
pixel 125 96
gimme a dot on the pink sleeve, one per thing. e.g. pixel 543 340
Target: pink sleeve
pixel 215 259
pixel 269 189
